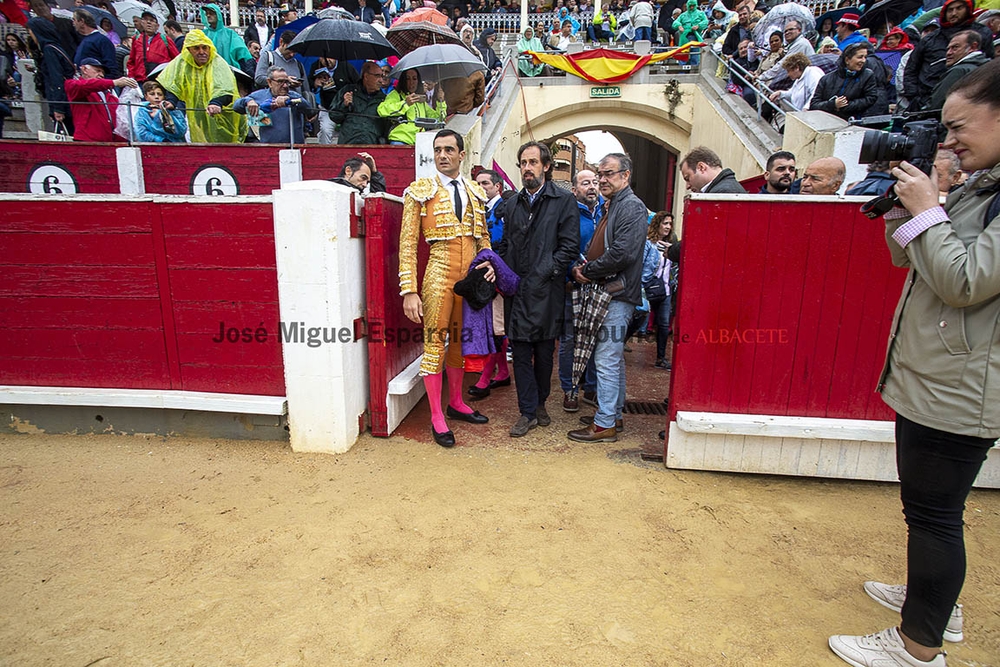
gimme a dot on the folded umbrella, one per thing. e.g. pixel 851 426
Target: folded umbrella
pixel 343 40
pixel 437 62
pixel 590 307
pixel 412 35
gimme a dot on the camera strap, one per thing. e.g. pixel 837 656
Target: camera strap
pixel 993 210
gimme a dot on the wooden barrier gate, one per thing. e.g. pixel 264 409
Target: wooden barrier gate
pixel 785 309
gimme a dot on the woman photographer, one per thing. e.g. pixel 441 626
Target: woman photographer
pixel 851 89
pixel 942 373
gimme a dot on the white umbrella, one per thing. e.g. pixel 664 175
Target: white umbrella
pixel 778 17
pixel 129 9
pixel 437 62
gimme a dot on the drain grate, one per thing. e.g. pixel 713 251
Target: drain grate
pixel 644 408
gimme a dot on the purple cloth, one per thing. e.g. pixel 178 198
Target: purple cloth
pixel 477 325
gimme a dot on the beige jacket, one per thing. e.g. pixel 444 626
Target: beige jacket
pixel 942 366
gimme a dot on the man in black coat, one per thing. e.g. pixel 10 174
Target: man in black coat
pixel 926 64
pixel 541 237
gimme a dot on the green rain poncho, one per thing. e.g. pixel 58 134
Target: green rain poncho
pixel 228 43
pixel 526 43
pixel 198 86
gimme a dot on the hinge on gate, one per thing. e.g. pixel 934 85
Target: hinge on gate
pixel 357 221
pixel 360 328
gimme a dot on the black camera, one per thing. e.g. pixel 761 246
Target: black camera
pixel 917 144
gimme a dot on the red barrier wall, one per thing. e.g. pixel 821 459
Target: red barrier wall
pixel 69 167
pixel 130 294
pixel 388 352
pixel 183 169
pixel 785 308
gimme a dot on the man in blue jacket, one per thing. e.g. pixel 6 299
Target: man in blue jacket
pixel 591 207
pixel 275 107
pixel 95 44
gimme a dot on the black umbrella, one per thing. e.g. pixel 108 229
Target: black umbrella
pixel 99 15
pixel 342 40
pixel 835 15
pixel 888 11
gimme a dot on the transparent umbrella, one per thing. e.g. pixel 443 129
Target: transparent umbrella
pixel 778 17
pixel 437 62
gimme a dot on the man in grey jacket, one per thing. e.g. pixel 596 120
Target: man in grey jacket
pixel 614 254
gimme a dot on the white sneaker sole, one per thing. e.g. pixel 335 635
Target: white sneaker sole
pixel 949 635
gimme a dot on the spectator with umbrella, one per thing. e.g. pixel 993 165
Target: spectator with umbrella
pixel 356 109
pixel 406 103
pixel 95 44
pixel 278 112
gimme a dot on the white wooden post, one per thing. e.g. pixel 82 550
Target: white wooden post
pixel 321 291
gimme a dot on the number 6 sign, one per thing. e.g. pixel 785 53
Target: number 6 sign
pixel 214 181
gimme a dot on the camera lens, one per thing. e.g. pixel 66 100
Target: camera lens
pixel 874 146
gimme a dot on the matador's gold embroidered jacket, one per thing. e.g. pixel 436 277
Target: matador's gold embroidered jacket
pixel 428 208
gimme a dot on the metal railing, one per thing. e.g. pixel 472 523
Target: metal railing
pixel 761 91
pixel 510 23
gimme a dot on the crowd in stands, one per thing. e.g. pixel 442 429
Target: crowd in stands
pixel 226 83
pixel 909 66
pixel 833 66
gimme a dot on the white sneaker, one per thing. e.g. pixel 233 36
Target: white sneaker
pixel 894 596
pixel 882 649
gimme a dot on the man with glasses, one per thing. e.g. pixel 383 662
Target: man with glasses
pixel 149 49
pixel 614 259
pixel 272 109
pixel 541 237
pixel 356 108
pixel 795 42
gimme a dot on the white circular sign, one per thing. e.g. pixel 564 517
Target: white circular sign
pixel 214 181
pixel 51 179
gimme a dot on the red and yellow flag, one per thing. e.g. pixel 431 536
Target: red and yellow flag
pixel 607 65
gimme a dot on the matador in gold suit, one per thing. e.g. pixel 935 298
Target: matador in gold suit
pixel 429 208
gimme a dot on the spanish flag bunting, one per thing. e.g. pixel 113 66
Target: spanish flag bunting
pixel 607 65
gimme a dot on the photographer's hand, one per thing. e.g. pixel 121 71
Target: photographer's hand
pixel 916 190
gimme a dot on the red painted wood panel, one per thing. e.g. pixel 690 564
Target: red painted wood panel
pixel 91 312
pixel 169 169
pixel 92 249
pixel 387 355
pixel 815 276
pixel 395 162
pixel 94 167
pixel 75 317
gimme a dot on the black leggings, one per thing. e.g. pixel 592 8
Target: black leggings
pixel 936 471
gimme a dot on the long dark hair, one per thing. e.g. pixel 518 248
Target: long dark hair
pixel 400 86
pixel 21 46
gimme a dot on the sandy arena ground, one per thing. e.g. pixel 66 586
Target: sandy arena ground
pixel 118 550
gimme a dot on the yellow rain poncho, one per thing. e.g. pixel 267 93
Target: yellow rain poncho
pixel 197 86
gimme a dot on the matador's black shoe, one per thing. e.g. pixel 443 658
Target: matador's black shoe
pixel 472 417
pixel 446 439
